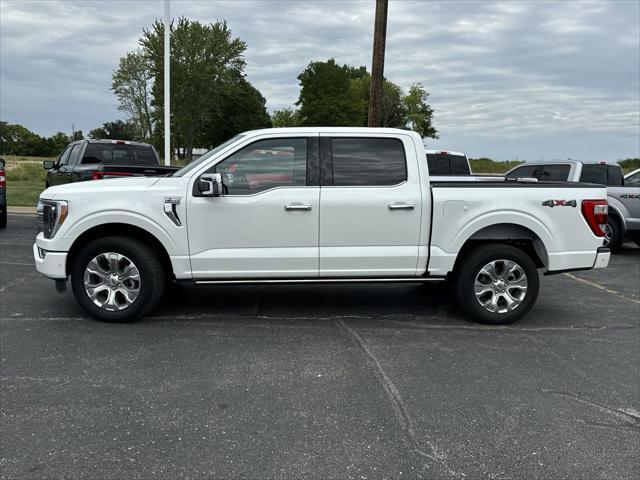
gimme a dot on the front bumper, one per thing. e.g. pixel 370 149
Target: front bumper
pixel 50 264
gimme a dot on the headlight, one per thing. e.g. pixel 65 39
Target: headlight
pixel 51 215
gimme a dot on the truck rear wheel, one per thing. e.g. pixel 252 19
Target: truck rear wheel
pixel 117 279
pixel 497 284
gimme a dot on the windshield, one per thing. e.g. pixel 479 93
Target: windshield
pixel 196 163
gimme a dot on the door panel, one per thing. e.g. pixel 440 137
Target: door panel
pixel 370 230
pixel 254 236
pixel 266 226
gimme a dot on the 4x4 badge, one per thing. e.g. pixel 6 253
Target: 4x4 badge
pixel 559 203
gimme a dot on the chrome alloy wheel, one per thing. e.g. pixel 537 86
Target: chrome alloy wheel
pixel 608 234
pixel 112 281
pixel 501 286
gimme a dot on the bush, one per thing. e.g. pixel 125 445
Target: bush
pixel 25 171
pixel 486 165
pixel 629 164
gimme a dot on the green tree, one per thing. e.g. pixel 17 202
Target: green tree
pixel 242 107
pixel 326 98
pixel 57 143
pixel 205 62
pixel 419 114
pixel 335 95
pixel 286 117
pixel 132 85
pixel 77 135
pixel 118 130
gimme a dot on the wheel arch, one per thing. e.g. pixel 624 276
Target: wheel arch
pixel 121 230
pixel 616 212
pixel 519 236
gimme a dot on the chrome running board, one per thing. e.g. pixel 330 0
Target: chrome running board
pixel 321 280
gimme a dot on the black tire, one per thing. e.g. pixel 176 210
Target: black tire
pixel 470 268
pixel 152 278
pixel 615 243
pixel 3 218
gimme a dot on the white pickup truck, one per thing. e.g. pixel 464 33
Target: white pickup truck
pixel 302 205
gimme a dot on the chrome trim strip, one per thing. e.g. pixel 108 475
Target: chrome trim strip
pixel 322 280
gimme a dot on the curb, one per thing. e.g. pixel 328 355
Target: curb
pixel 22 210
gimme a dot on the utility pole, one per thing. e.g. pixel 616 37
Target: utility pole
pixel 377 63
pixel 167 90
pixel 73 132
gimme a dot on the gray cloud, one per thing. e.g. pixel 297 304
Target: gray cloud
pixel 508 79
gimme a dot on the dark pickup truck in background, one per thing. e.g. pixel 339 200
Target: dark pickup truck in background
pixel 97 159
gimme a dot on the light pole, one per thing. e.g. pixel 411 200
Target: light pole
pixel 167 90
pixel 377 63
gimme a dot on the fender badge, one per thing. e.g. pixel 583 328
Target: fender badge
pixel 560 203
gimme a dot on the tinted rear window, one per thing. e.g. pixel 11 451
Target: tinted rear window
pixel 554 173
pixel 368 161
pixel 118 154
pixel 528 171
pixel 440 164
pixel 610 175
pixel 550 173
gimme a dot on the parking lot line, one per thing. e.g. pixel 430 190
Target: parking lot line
pixel 602 287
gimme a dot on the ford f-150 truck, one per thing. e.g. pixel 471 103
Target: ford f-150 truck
pixel 100 159
pixel 623 196
pixel 303 205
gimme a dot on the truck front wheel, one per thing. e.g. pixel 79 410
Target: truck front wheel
pixel 497 284
pixel 117 279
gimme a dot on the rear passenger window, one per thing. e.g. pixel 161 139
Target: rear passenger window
pixel 615 178
pixel 368 162
pixel 555 173
pixel 593 174
pixel 529 171
pixel 445 164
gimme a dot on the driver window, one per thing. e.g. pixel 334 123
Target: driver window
pixel 278 162
pixel 64 158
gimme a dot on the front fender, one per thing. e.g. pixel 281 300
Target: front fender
pixel 122 216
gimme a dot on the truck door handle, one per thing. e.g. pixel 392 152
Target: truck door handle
pixel 297 207
pixel 401 206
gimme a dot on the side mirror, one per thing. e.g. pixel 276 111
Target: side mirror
pixel 48 164
pixel 210 185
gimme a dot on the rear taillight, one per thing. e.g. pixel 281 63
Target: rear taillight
pixel 3 179
pixel 595 212
pixel 99 175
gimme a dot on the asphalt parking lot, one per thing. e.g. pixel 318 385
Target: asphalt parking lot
pixel 319 381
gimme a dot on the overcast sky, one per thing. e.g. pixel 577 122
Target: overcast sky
pixel 512 79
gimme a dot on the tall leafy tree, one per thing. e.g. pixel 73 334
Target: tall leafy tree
pixel 118 130
pixel 132 85
pixel 205 61
pixel 331 94
pixel 325 97
pixel 242 107
pixel 286 117
pixel 419 114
